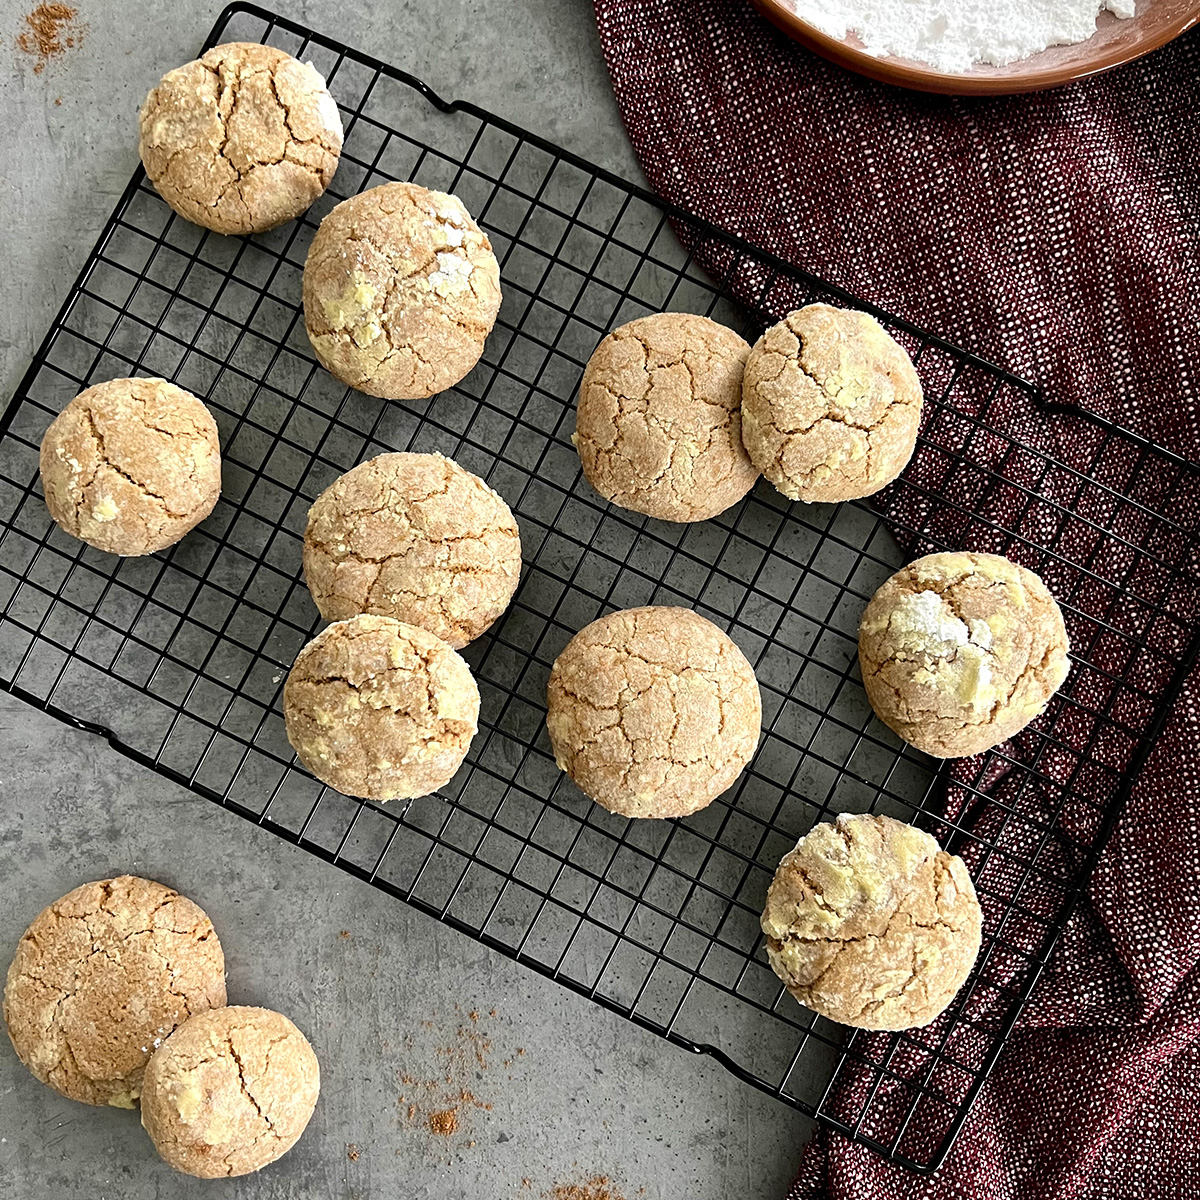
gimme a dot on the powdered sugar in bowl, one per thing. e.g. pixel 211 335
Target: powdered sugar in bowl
pixel 981 47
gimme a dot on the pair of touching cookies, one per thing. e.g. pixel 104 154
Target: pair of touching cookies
pixel 678 415
pixel 116 996
pixel 412 557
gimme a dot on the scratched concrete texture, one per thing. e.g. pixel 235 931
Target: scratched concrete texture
pixel 373 983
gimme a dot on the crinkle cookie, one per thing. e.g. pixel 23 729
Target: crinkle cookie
pixel 401 289
pixel 959 652
pixel 230 1091
pixel 380 709
pixel 415 537
pixel 241 140
pixel 870 923
pixel 831 405
pixel 101 977
pixel 653 712
pixel 131 465
pixel 659 426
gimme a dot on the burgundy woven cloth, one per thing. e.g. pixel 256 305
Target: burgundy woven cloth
pixel 1057 235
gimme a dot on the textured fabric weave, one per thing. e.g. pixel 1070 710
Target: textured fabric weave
pixel 1057 235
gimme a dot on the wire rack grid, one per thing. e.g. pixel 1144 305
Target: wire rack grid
pixel 179 658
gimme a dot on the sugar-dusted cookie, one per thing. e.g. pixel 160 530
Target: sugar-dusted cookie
pixel 653 712
pixel 870 923
pixel 101 977
pixel 380 709
pixel 131 465
pixel 959 652
pixel 230 1091
pixel 401 289
pixel 831 405
pixel 242 139
pixel 415 537
pixel 659 427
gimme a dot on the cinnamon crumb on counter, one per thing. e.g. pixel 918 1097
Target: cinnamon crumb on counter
pixel 50 31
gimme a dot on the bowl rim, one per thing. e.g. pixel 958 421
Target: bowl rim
pixel 915 76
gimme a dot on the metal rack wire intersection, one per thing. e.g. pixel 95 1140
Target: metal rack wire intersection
pixel 179 659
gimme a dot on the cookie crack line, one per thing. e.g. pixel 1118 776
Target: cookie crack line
pixel 234 87
pixel 102 454
pixel 422 538
pixel 295 139
pixel 241 1070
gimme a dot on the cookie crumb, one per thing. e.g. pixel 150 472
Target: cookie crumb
pixel 51 30
pixel 352 1152
pixel 345 933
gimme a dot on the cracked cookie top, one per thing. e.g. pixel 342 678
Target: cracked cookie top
pixel 870 923
pixel 415 537
pixel 401 289
pixel 653 712
pixel 230 1091
pixel 241 140
pixel 831 405
pixel 658 426
pixel 959 652
pixel 131 465
pixel 101 977
pixel 380 709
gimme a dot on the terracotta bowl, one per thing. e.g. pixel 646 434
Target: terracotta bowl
pixel 1114 43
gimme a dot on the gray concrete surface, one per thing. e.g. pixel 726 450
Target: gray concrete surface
pixel 373 983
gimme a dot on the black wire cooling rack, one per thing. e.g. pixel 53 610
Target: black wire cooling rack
pixel 179 659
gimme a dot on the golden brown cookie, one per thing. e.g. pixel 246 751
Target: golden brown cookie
pixel 870 923
pixel 401 289
pixel 415 537
pixel 380 709
pixel 831 405
pixel 230 1091
pixel 653 712
pixel 959 652
pixel 131 465
pixel 659 427
pixel 101 977
pixel 242 139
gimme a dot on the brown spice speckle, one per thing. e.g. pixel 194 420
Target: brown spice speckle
pixel 352 1152
pixel 598 1187
pixel 51 30
pixel 443 1105
pixel 444 1123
